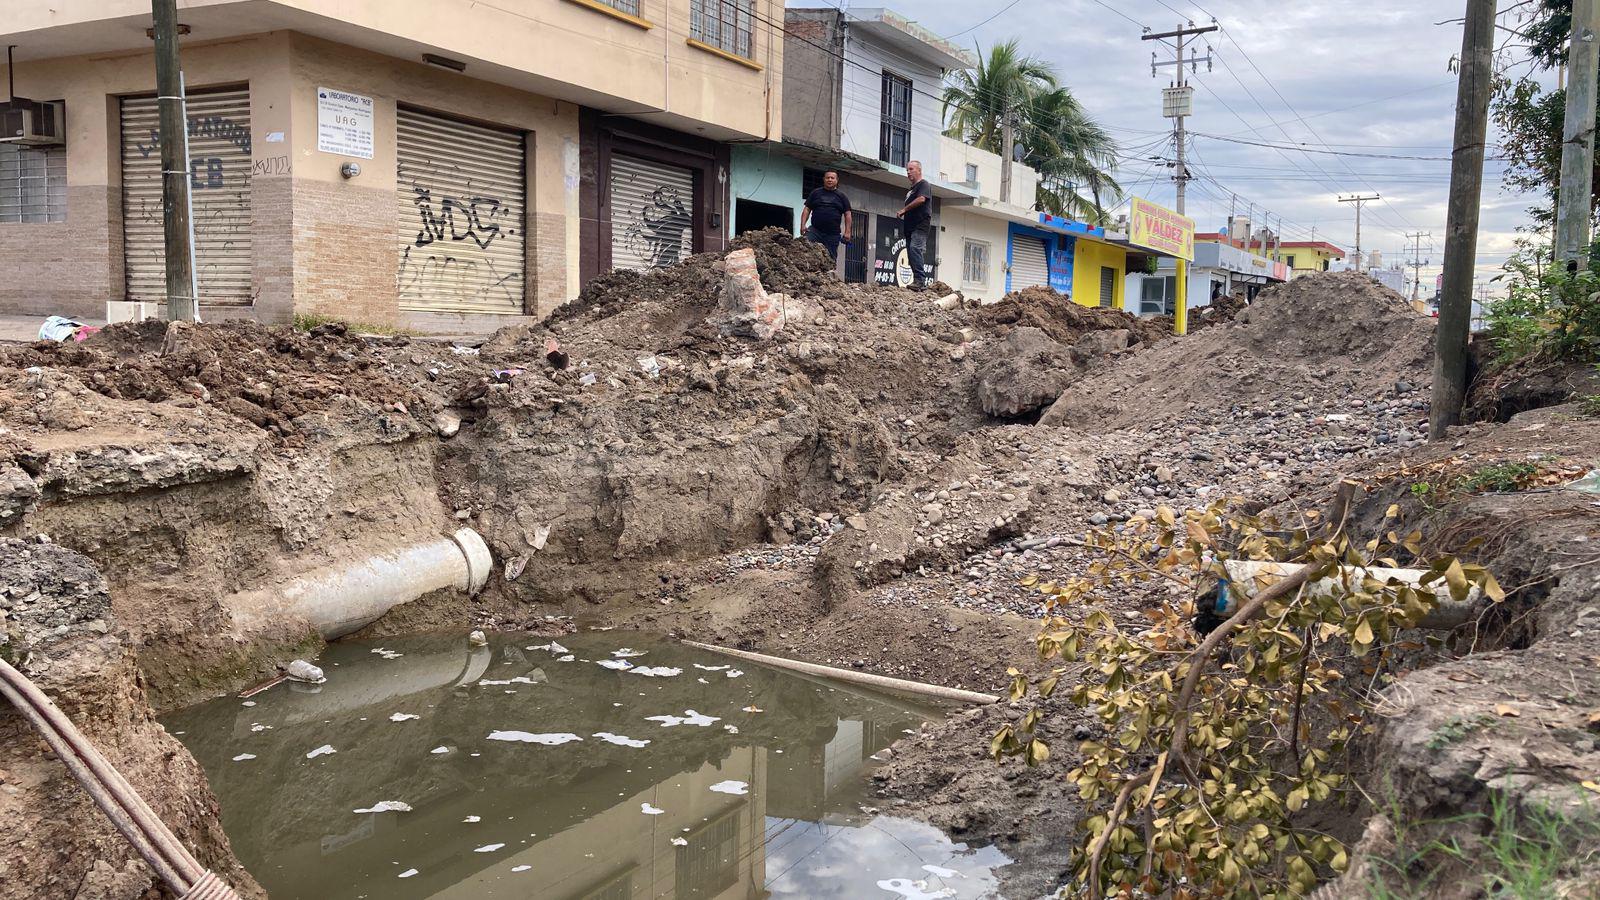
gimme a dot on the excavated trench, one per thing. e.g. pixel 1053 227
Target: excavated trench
pixel 634 464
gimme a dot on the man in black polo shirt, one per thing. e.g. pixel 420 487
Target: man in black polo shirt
pixel 829 213
pixel 915 218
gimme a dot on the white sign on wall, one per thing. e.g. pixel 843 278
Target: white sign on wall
pixel 344 123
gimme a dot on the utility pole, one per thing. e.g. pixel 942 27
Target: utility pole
pixel 1007 150
pixel 1461 229
pixel 1417 262
pixel 1177 102
pixel 182 304
pixel 1573 207
pixel 1359 201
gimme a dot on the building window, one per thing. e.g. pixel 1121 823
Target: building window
pixel 631 7
pixel 728 25
pixel 894 146
pixel 972 173
pixel 33 184
pixel 975 263
pixel 1153 295
pixel 1289 261
pixel 1325 265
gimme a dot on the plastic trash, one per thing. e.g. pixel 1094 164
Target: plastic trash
pixel 651 366
pixel 587 379
pixel 1588 484
pixel 300 670
pixel 61 329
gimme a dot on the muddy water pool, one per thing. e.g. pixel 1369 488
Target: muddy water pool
pixel 601 766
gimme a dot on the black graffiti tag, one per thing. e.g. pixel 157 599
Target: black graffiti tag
pixel 468 218
pixel 656 236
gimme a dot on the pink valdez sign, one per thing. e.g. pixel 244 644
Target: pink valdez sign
pixel 1162 230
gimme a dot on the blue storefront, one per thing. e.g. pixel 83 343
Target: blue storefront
pixel 1036 257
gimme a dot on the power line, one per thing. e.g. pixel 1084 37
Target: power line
pixel 1005 9
pixel 1301 148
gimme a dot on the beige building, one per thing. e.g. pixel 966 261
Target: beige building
pixel 445 166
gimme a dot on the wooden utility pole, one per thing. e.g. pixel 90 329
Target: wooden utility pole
pixel 1359 201
pixel 1178 100
pixel 1577 145
pixel 182 304
pixel 1461 229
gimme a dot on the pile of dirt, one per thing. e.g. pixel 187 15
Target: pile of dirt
pixel 1223 309
pixel 266 375
pixel 1323 335
pixel 1065 321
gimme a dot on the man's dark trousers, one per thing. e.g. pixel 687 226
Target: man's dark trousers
pixel 830 241
pixel 916 249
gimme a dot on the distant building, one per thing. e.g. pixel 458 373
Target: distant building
pixel 1301 257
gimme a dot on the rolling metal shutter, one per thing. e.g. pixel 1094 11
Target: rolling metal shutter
pixel 463 199
pixel 219 187
pixel 1108 286
pixel 652 213
pixel 1029 266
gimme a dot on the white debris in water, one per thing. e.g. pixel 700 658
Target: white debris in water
pixel 942 872
pixel 403 717
pixel 734 673
pixel 244 756
pixel 248 703
pixel 679 842
pixel 407 873
pixel 520 868
pixel 520 679
pixel 488 848
pixel 553 647
pixel 689 717
pixel 731 729
pixel 657 671
pixel 256 727
pixel 710 668
pixel 627 653
pixel 620 740
pixel 649 810
pixel 752 708
pixel 549 740
pixel 387 654
pixel 702 681
pixel 324 750
pixel 914 890
pixel 439 750
pixel 471 820
pixel 568 658
pixel 383 806
pixel 620 665
pixel 731 787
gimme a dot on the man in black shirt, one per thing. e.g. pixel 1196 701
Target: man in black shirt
pixel 829 213
pixel 915 218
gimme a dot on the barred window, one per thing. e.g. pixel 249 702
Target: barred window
pixel 33 184
pixel 975 263
pixel 894 146
pixel 631 7
pixel 727 25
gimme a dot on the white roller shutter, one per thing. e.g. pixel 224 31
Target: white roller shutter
pixel 219 185
pixel 1029 266
pixel 652 213
pixel 463 198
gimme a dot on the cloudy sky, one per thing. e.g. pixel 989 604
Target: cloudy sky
pixel 1358 78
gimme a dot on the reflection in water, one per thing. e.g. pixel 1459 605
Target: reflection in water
pixel 745 785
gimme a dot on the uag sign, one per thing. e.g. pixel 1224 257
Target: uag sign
pixel 1162 230
pixel 344 123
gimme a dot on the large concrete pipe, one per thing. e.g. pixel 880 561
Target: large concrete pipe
pixel 343 598
pixel 1448 614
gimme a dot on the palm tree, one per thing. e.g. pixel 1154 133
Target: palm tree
pixel 976 100
pixel 1072 153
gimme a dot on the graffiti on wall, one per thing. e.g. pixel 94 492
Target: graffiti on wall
pixel 657 234
pixel 475 219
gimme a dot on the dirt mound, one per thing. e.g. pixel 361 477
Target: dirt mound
pixel 1063 320
pixel 1335 334
pixel 266 375
pixel 1222 309
pixel 790 265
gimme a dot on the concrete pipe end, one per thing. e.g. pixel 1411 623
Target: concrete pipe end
pixel 480 562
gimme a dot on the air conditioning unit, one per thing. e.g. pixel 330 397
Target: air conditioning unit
pixel 32 123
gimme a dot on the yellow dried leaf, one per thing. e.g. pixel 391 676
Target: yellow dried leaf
pixel 1394 511
pixel 1506 710
pixel 1592 786
pixel 1364 632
